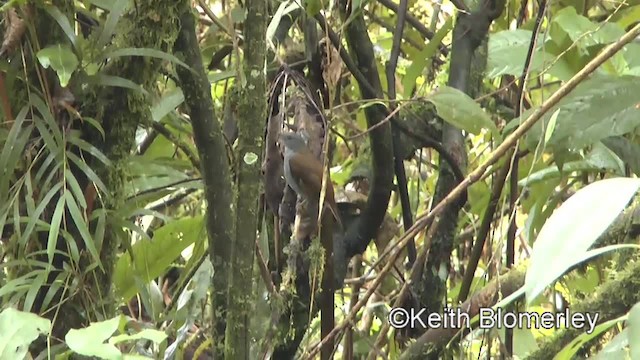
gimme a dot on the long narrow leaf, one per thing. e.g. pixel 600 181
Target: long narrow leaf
pixel 87 171
pixel 45 112
pixel 56 222
pixel 90 149
pixel 45 165
pixel 118 8
pixel 35 215
pixel 75 188
pixel 81 224
pixel 46 135
pixel 63 21
pixel 148 53
pixel 117 81
pixel 34 288
pixel 55 286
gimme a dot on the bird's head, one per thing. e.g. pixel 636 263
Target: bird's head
pixel 293 141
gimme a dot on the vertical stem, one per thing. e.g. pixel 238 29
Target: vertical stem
pixel 252 109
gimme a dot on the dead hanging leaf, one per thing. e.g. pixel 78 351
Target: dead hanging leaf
pixel 309 123
pixel 331 64
pixel 272 165
pixel 305 225
pixel 15 28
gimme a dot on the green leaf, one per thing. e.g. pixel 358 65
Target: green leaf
pixel 598 108
pixel 284 8
pixel 63 21
pixel 571 349
pixel 19 329
pixel 90 341
pixel 87 170
pixel 423 59
pixel 115 13
pixel 45 112
pixel 82 144
pixel 148 334
pixel 152 257
pixel 169 102
pixel 581 30
pixel 75 188
pixel 572 229
pixel 116 81
pixel 34 289
pixel 153 53
pixel 221 76
pixel 627 151
pixel 238 14
pixel 54 230
pixel 508 50
pixel 616 348
pixel 61 59
pixel 81 225
pixel 551 126
pixel 35 215
pixel 458 109
pixel 312 7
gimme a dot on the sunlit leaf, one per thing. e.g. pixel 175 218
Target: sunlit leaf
pixel 19 329
pixel 61 59
pixel 572 229
pixel 90 341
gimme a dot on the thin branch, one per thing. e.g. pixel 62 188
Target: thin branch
pixel 162 130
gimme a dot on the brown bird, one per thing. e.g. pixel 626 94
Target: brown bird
pixel 303 172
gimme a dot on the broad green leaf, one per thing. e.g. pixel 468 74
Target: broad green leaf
pixel 90 341
pixel 580 29
pixel 507 53
pixel 600 107
pixel 634 331
pixel 573 228
pixel 458 109
pixel 423 59
pixel 61 59
pixel 19 329
pixel 152 257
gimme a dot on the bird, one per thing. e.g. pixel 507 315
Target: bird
pixel 303 172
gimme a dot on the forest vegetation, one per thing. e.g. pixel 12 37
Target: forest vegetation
pixel 285 179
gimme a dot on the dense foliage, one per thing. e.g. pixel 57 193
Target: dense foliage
pixel 467 157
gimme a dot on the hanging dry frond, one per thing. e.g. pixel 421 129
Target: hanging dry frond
pixel 15 29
